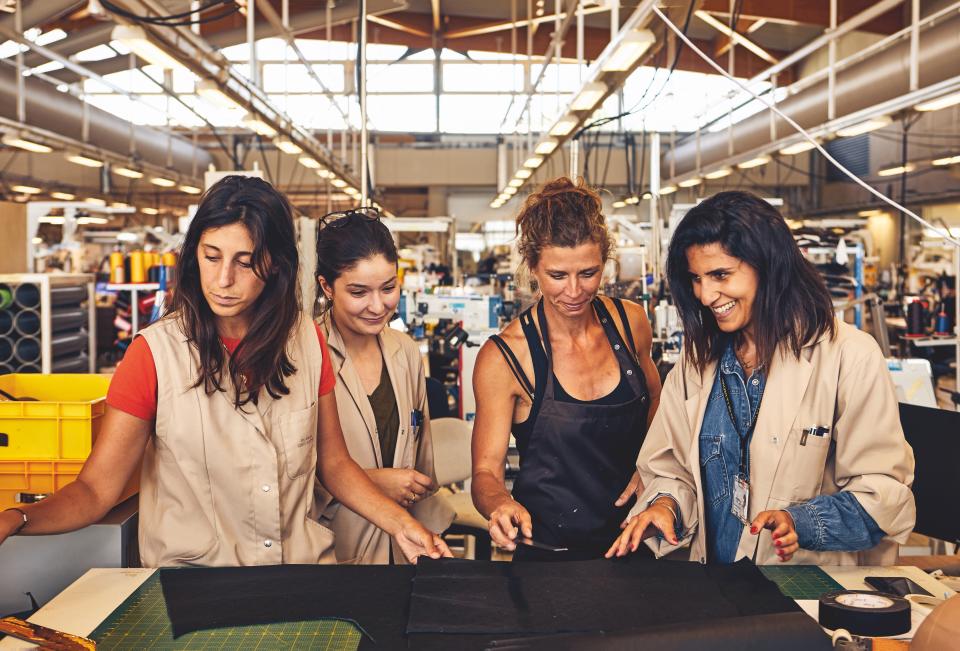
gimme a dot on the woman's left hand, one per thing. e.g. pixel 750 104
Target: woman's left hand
pixel 784 532
pixel 634 487
pixel 416 540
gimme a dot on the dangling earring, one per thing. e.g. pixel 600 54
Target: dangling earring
pixel 323 303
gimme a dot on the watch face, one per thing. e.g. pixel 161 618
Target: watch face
pixel 864 601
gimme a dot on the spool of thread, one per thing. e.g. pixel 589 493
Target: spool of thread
pixel 27 295
pixel 916 318
pixel 942 328
pixel 27 322
pixel 6 296
pixel 116 268
pixel 138 272
pixel 28 351
pixel 169 259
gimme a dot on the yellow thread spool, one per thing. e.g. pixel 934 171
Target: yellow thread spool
pixel 116 268
pixel 137 267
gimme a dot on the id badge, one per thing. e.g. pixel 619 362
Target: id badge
pixel 741 499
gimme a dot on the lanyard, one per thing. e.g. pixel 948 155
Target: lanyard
pixel 744 438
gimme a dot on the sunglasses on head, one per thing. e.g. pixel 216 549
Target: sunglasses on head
pixel 344 217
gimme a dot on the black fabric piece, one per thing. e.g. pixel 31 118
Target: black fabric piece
pixel 783 632
pixel 374 597
pixel 452 596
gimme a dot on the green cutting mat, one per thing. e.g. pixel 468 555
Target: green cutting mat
pixel 800 581
pixel 141 622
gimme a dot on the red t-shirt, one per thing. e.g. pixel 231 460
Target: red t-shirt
pixel 133 388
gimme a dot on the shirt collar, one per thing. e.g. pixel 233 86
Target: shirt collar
pixel 729 363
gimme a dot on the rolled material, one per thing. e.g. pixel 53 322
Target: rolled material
pixel 27 350
pixel 68 295
pixel 28 368
pixel 27 295
pixel 6 322
pixel 138 270
pixel 69 342
pixel 6 349
pixel 71 364
pixel 67 319
pixel 865 612
pixel 27 322
pixel 5 368
pixel 6 296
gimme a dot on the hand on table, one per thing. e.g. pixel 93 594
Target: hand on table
pixel 658 516
pixel 507 521
pixel 784 532
pixel 405 486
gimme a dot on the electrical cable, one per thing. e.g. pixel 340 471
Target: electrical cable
pixel 172 20
pixel 853 177
pixel 263 157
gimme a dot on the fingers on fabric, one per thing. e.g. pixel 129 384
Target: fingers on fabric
pixel 422 480
pixel 442 547
pixel 522 518
pixel 501 528
pixel 629 491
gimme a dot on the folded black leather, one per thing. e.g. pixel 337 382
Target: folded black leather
pixel 374 597
pixel 451 596
pixel 795 631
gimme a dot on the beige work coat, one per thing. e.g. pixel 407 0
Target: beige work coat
pixel 357 540
pixel 842 384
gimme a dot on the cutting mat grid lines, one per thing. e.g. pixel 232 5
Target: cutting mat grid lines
pixel 800 581
pixel 141 622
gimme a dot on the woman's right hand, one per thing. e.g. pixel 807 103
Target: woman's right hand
pixel 405 486
pixel 507 521
pixel 659 515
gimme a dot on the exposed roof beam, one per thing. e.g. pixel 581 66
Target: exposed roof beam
pixel 435 7
pixel 501 26
pixel 400 27
pixel 744 26
pixel 736 37
pixel 807 12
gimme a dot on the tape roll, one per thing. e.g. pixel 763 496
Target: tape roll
pixel 865 612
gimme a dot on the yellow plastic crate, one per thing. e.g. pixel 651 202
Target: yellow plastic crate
pixel 64 421
pixel 42 477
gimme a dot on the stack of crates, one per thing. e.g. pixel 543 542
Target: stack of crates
pixel 45 438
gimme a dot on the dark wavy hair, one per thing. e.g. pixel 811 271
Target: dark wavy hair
pixel 261 360
pixel 792 307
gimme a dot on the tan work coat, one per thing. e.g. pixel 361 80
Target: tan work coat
pixel 356 539
pixel 842 384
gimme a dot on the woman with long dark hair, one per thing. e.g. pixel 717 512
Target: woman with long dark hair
pixel 779 417
pixel 381 389
pixel 228 403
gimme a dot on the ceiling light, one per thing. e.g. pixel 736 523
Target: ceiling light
pixel 190 189
pixel 163 182
pixel 753 162
pixel 667 189
pixel 353 192
pixel 533 162
pixel 495 204
pixel 632 200
pixel 690 183
pixel 524 173
pixel 119 204
pixel 209 90
pixel 37 240
pixel 324 173
pixel 646 195
pixel 136 39
pixel 63 196
pixel 939 103
pixel 546 147
pixel 798 148
pixel 92 220
pixel 864 127
pixel 870 213
pixel 949 160
pixel 22 143
pixel 564 125
pixel 628 51
pixel 509 191
pixel 897 170
pixel 718 174
pixel 309 162
pixel 338 183
pixel 97 201
pixel 619 204
pixel 287 146
pixel 589 96
pixel 515 183
pixel 26 189
pixel 128 172
pixel 50 219
pixel 257 125
pixel 86 161
pixel 150 211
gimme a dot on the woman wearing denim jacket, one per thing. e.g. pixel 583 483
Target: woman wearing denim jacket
pixel 778 434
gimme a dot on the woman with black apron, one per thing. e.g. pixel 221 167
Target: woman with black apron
pixel 580 423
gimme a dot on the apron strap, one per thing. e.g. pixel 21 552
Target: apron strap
pixel 627 332
pixel 545 335
pixel 514 364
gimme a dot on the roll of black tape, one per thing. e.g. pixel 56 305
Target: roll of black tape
pixel 865 612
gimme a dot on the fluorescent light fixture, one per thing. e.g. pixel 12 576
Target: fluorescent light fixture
pixel 509 191
pixel 309 162
pixel 628 51
pixel 351 191
pixel 546 147
pixel 523 173
pixel 63 196
pixel 97 201
pixel 128 172
pixel 86 161
pixel 26 189
pixel 22 143
pixel 287 146
pixel 632 201
pixel 50 219
pixel 92 220
pixel 150 211
pixel 753 162
pixel 127 237
pixel 136 39
pixel 119 204
pixel 939 103
pixel 338 183
pixel 875 212
pixel 948 160
pixel 162 181
pixel 324 173
pixel 718 174
pixel 589 96
pixel 209 90
pixel 495 204
pixel 865 127
pixel 798 148
pixel 190 189
pixel 37 240
pixel 897 170
pixel 564 125
pixel 668 189
pixel 690 183
pixel 515 183
pixel 533 162
pixel 619 204
pixel 257 125
pixel 646 195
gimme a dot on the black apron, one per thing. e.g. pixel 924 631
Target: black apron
pixel 580 455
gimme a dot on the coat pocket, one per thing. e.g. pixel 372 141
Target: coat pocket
pixel 800 475
pixel 714 473
pixel 299 432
